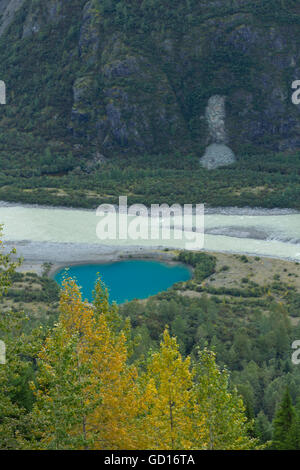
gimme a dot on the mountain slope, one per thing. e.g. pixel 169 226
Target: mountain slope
pixel 136 76
pixel 91 81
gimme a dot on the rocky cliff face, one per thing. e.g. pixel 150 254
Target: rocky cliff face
pixel 138 77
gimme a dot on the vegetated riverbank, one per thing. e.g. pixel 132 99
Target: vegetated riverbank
pixel 270 181
pixel 234 210
pixel 262 267
pixel 235 277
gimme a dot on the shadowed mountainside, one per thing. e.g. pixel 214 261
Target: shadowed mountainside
pixel 137 76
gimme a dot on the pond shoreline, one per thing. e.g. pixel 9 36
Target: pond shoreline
pixel 166 258
pixel 128 279
pixel 61 255
pixel 88 254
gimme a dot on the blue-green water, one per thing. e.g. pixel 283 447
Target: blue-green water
pixel 127 280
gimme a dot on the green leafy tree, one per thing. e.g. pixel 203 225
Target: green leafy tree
pixel 17 371
pixel 62 403
pixel 294 434
pixel 226 425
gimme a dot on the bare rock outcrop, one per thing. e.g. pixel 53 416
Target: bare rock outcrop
pixel 217 153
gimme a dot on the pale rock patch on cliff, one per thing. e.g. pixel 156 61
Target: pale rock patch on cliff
pixel 217 153
pixel 215 116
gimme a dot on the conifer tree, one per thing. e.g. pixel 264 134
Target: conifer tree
pixel 294 433
pixel 283 422
pixel 263 428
